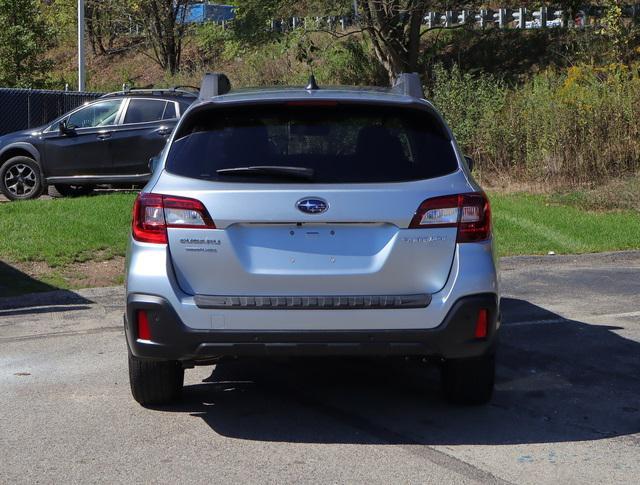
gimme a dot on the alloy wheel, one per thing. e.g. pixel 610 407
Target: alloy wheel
pixel 20 180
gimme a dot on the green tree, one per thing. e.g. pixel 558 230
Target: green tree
pixel 252 18
pixel 104 21
pixel 396 29
pixel 618 33
pixel 165 29
pixel 24 39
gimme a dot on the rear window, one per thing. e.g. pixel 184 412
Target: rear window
pixel 339 144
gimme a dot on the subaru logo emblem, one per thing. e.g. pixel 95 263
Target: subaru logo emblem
pixel 312 205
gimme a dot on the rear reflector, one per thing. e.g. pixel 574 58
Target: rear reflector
pixel 470 213
pixel 154 213
pixel 144 332
pixel 482 323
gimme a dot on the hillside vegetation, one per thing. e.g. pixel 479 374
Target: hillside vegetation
pixel 548 108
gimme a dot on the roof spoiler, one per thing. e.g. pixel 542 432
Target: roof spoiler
pixel 409 84
pixel 214 84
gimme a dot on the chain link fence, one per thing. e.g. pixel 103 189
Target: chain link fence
pixel 30 108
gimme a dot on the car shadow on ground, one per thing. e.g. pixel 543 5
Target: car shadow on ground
pixel 19 290
pixel 14 281
pixel 558 380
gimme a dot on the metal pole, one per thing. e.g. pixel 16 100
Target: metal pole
pixel 81 73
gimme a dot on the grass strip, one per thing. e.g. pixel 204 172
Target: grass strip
pixel 537 224
pixel 64 231
pixel 60 232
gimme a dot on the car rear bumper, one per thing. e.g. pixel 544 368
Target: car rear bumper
pixel 172 339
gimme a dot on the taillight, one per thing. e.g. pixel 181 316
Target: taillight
pixel 470 213
pixel 183 212
pixel 154 213
pixel 148 219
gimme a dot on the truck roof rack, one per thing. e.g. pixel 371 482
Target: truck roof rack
pixel 214 84
pixel 409 84
pixel 175 91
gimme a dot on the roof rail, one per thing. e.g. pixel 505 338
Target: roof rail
pixel 185 87
pixel 214 84
pixel 152 91
pixel 409 84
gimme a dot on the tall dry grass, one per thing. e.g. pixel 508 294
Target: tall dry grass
pixel 579 126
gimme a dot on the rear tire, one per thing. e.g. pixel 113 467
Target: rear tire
pixel 469 381
pixel 21 178
pixel 155 381
pixel 73 190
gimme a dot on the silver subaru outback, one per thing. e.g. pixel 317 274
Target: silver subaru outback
pixel 311 222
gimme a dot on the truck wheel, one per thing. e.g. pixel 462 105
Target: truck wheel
pixel 155 381
pixel 469 381
pixel 73 190
pixel 21 178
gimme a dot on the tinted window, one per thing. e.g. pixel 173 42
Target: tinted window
pixel 340 143
pixel 184 104
pixel 144 110
pixel 169 111
pixel 102 113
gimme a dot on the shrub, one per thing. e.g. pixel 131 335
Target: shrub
pixel 290 58
pixel 577 126
pixel 215 44
pixel 350 62
pixel 467 102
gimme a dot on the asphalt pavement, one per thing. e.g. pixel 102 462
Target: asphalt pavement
pixel 566 407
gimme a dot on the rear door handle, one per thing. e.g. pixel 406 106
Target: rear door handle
pixel 163 131
pixel 104 136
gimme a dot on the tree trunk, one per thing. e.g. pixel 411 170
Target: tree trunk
pixel 413 35
pixel 394 28
pixel 165 31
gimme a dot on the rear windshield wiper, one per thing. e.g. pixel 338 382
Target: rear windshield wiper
pixel 269 171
